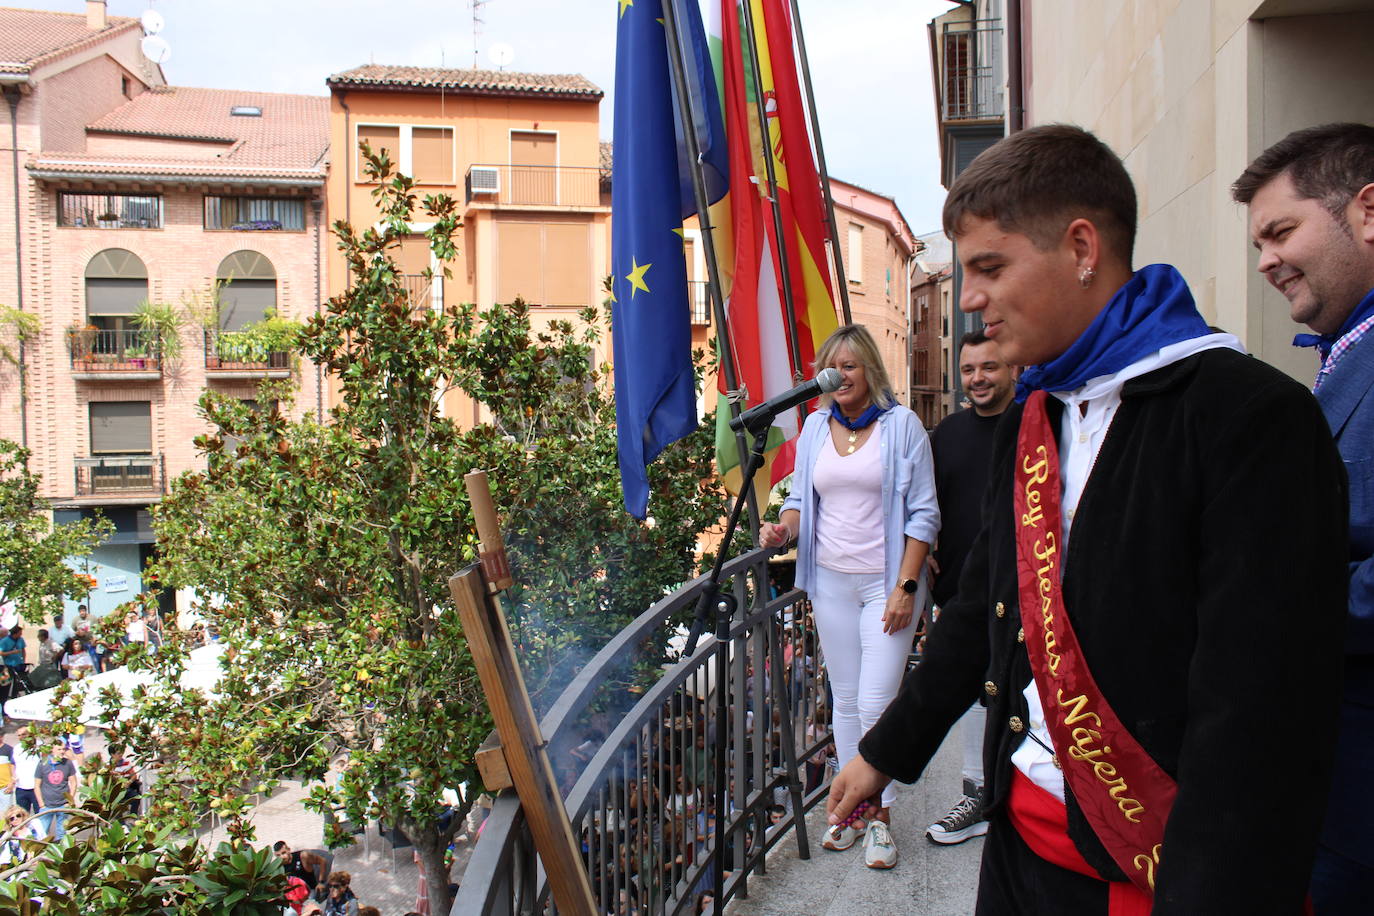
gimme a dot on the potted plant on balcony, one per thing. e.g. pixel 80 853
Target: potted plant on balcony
pixel 81 340
pixel 161 324
pixel 108 220
pixel 255 344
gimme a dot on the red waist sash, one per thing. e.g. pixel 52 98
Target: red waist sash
pixel 1043 822
pixel 1124 795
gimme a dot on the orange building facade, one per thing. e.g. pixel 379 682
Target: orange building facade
pixel 519 151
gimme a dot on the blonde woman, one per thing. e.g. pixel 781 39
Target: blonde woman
pixel 863 514
pixel 19 826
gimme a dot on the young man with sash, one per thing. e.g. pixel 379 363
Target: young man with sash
pixel 1154 608
pixel 1311 199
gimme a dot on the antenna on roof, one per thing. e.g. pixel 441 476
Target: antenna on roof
pixel 501 54
pixel 477 23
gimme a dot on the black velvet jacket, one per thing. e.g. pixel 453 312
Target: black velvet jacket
pixel 1205 578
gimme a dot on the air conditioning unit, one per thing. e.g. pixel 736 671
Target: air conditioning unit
pixel 484 179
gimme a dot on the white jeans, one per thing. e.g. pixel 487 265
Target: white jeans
pixel 864 663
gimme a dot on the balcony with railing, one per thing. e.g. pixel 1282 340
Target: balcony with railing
pixel 537 186
pixel 701 302
pixel 643 806
pixel 121 475
pixel 971 71
pixel 420 291
pixel 242 354
pixel 114 355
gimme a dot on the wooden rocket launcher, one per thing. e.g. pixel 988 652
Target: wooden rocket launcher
pixel 522 747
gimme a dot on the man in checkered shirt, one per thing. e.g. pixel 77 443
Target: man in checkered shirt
pixel 1311 199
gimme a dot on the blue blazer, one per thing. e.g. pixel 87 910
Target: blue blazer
pixel 1347 399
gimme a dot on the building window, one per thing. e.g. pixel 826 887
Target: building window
pixel 544 263
pixel 431 155
pixel 424 153
pixel 856 253
pixel 116 285
pixel 109 211
pixel 247 289
pixel 124 88
pixel 121 428
pixel 244 213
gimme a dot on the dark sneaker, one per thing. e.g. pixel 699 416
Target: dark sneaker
pixel 963 822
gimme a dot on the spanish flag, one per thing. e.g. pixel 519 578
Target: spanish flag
pixel 752 271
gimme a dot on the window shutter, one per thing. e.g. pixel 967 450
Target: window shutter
pixel 121 428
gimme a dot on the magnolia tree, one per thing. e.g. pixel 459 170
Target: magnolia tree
pixel 320 552
pixel 33 552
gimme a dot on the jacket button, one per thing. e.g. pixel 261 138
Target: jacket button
pixel 1001 609
pixel 990 689
pixel 1016 724
pixel 1021 635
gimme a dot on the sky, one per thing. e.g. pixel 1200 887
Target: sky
pixel 870 62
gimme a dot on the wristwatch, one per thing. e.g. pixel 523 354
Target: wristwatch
pixel 909 586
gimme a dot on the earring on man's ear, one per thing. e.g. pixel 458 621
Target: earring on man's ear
pixel 1085 277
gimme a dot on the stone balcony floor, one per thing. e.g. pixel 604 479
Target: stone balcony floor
pixel 928 880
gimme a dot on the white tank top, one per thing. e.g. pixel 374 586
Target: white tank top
pixel 849 520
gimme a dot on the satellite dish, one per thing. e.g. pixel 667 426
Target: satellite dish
pixel 152 22
pixel 156 49
pixel 501 55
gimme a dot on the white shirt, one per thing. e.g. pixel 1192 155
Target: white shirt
pixel 25 767
pixel 1088 413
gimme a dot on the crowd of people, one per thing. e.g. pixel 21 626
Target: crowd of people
pixel 76 650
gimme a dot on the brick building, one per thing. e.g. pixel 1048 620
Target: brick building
pixel 129 191
pixel 879 259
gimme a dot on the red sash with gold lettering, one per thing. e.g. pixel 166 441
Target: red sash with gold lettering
pixel 1123 793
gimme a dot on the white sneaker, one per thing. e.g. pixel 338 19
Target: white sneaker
pixel 840 838
pixel 879 850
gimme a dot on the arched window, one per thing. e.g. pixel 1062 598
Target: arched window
pixel 248 289
pixel 116 284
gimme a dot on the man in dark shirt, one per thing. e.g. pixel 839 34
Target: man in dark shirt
pixel 56 778
pixel 310 865
pixel 962 449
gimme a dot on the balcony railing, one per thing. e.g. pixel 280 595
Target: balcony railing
pixel 643 805
pixel 701 302
pixel 971 70
pixel 420 291
pixel 534 185
pixel 237 351
pixel 121 475
pixel 95 350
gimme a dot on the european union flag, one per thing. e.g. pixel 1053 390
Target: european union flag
pixel 655 394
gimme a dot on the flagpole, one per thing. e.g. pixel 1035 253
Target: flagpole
pixel 677 67
pixel 765 135
pixel 820 161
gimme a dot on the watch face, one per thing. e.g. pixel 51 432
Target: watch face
pixel 909 586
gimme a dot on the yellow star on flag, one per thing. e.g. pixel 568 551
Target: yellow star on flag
pixel 636 277
pixel 624 5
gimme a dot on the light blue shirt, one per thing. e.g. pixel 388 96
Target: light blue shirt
pixel 909 506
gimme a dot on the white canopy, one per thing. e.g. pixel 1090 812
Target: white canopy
pixel 202 672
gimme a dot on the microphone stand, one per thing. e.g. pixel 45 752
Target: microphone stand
pixel 723 606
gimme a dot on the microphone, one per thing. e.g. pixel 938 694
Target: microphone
pixel 756 419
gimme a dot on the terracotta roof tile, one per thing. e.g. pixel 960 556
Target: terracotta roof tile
pixel 27 37
pixel 471 82
pixel 289 139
